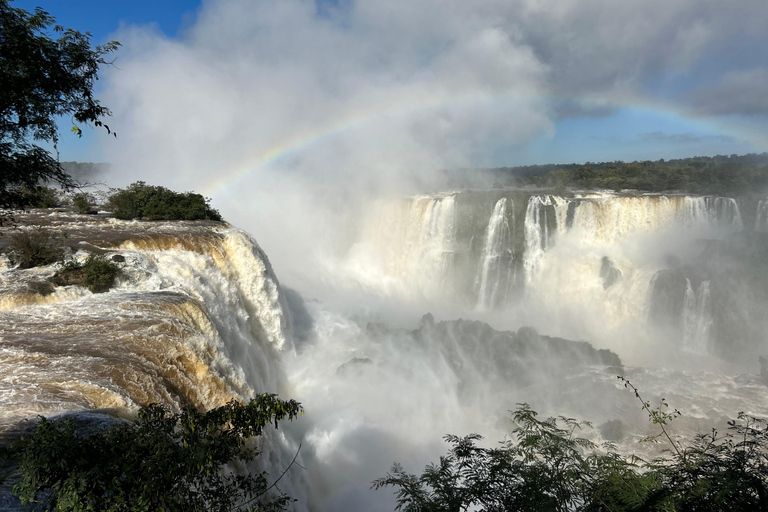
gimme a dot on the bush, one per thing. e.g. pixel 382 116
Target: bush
pixel 97 274
pixel 142 201
pixel 35 248
pixel 83 202
pixel 33 197
pixel 163 461
pixel 546 468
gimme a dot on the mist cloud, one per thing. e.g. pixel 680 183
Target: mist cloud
pixel 318 107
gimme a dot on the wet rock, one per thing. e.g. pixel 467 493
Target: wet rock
pixel 40 287
pixel 353 364
pixel 612 430
pixel 118 258
pixel 609 273
pixel 70 277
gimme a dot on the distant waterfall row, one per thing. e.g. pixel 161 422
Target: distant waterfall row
pixel 485 246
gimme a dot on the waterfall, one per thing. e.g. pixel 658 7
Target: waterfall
pixel 496 273
pixel 761 220
pixel 405 247
pixel 198 319
pixel 697 318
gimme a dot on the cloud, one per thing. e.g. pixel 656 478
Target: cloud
pixel 739 92
pixel 320 108
pixel 611 49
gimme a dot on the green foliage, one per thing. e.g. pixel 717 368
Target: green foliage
pixel 546 468
pixel 722 175
pixel 42 79
pixel 162 462
pixel 35 248
pixel 142 201
pixel 83 202
pixel 35 197
pixel 98 274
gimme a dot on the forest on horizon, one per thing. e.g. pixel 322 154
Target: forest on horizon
pixel 720 174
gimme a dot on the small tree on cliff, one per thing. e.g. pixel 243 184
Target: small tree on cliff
pixel 42 79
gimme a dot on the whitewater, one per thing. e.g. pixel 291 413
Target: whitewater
pixel 511 296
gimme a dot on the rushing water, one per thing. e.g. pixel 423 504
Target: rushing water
pixel 200 318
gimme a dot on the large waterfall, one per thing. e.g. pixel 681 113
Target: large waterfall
pixel 664 289
pixel 197 319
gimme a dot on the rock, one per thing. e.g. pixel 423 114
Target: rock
pixel 40 287
pixel 69 277
pixel 668 289
pixel 118 258
pixel 612 430
pixel 609 273
pixel 354 363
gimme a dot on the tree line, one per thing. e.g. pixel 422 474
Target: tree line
pixel 732 175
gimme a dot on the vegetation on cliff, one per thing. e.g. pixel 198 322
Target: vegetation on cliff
pixel 35 248
pixel 97 273
pixel 162 461
pixel 545 467
pixel 142 201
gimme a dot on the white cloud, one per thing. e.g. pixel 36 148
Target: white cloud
pixel 374 95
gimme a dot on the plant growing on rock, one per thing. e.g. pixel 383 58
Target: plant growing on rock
pixel 98 274
pixel 142 201
pixel 35 248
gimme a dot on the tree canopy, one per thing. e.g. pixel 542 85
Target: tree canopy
pixel 162 462
pixel 546 467
pixel 41 80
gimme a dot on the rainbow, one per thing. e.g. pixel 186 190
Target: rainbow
pixel 354 120
pixel 234 172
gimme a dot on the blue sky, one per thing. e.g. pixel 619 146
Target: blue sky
pixel 691 86
pixel 103 17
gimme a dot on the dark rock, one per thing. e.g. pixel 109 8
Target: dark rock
pixel 69 277
pixel 612 430
pixel 118 258
pixel 40 287
pixel 301 320
pixel 668 289
pixel 609 273
pixel 352 364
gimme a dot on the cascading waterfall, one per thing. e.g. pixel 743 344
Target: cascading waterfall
pixel 411 247
pixel 697 318
pixel 200 318
pixel 197 319
pixel 761 219
pixel 407 247
pixel 537 229
pixel 497 271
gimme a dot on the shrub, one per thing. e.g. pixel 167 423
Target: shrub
pixel 83 202
pixel 35 248
pixel 163 461
pixel 33 197
pixel 545 467
pixel 97 273
pixel 142 201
